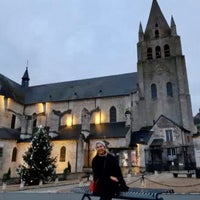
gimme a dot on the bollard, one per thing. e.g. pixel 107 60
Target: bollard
pixel 90 177
pixel 40 183
pixel 21 186
pixel 4 186
pixel 81 183
pixel 56 180
pixel 128 177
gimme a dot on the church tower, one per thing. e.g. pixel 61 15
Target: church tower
pixel 162 77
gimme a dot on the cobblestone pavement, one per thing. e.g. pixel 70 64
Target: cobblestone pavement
pixel 159 180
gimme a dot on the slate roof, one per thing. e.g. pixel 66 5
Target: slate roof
pixel 140 137
pixel 97 131
pixel 11 89
pixel 9 134
pixel 157 142
pixel 69 133
pixel 115 85
pixel 108 130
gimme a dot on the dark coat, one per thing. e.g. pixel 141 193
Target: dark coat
pixel 104 167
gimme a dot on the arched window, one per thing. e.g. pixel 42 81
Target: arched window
pixel 156 25
pixel 169 89
pixel 158 52
pixel 157 34
pixel 13 120
pixel 153 91
pixel 62 154
pixel 166 50
pixel 14 154
pixel 35 123
pixel 149 53
pixel 113 116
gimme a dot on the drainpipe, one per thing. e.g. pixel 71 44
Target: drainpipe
pixel 76 155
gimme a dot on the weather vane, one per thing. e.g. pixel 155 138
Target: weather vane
pixel 27 64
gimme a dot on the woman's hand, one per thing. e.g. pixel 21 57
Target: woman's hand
pixel 113 178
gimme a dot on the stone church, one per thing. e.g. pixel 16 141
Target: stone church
pixel 145 117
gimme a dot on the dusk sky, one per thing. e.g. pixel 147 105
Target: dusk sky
pixel 67 40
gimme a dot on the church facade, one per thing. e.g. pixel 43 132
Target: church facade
pixel 145 117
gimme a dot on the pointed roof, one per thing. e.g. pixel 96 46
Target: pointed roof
pixel 156 17
pixel 140 33
pixel 172 22
pixel 26 75
pixel 168 122
pixel 173 27
pixel 140 28
pixel 25 78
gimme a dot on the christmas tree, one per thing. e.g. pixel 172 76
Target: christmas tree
pixel 38 164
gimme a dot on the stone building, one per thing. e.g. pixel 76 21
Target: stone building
pixel 145 117
pixel 196 139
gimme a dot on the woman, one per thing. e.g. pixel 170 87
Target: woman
pixel 107 173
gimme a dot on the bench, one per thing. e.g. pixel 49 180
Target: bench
pixel 132 193
pixel 188 173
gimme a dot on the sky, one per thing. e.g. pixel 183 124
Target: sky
pixel 65 40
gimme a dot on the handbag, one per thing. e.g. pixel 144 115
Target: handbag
pixel 93 186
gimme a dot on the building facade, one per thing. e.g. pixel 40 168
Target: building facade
pixel 145 117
